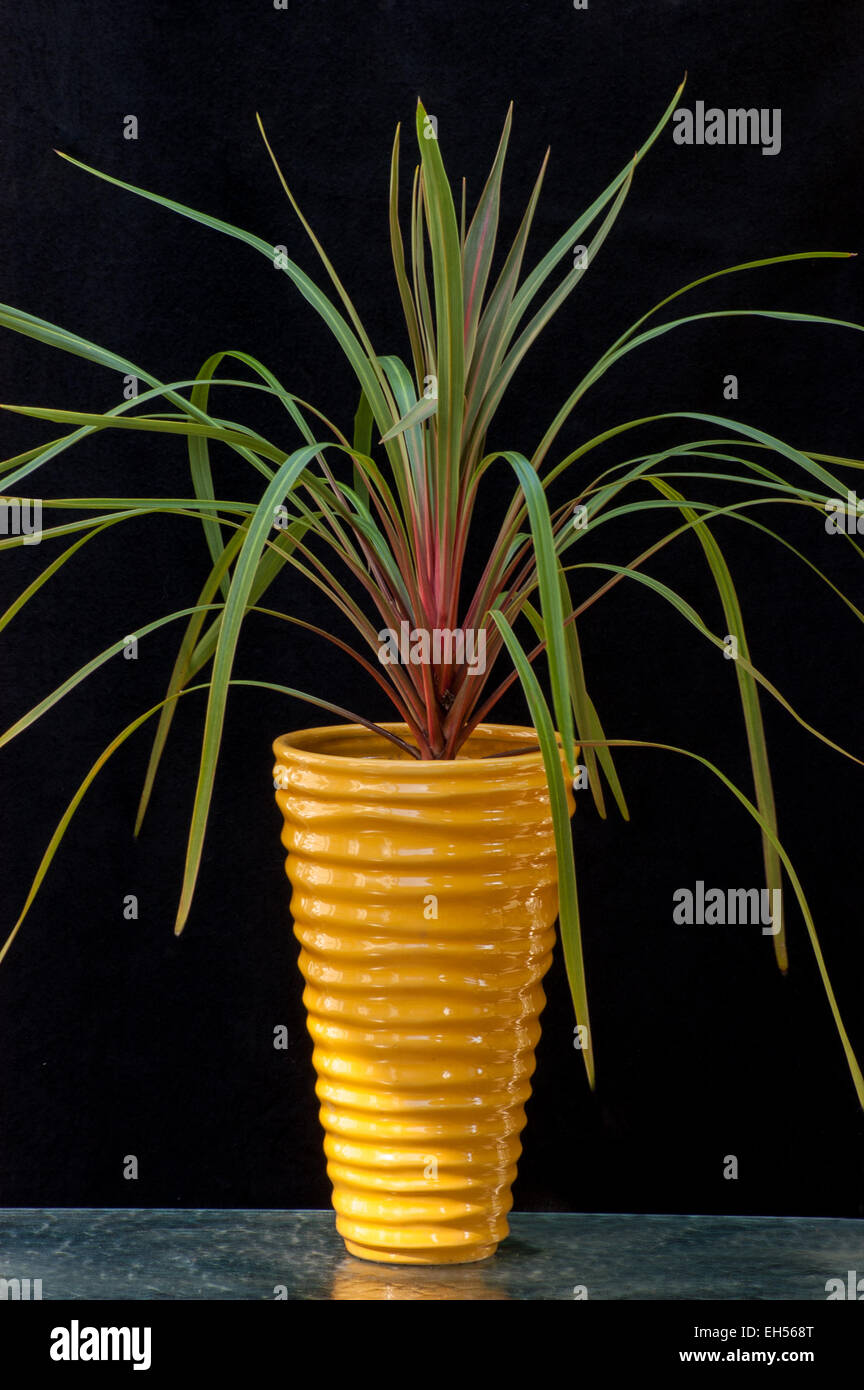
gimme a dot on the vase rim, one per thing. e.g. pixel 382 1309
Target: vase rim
pixel 303 746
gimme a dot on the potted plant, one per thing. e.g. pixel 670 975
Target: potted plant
pixel 430 854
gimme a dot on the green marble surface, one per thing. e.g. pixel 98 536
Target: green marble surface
pixel 242 1254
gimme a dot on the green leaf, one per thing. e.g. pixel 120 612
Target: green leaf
pixel 411 486
pixel 688 612
pixel 418 271
pixel 50 570
pixel 243 578
pixel 749 700
pixel 563 245
pixel 584 713
pixel 730 270
pixel 53 336
pixel 30 718
pixel 158 426
pixel 325 261
pixel 362 364
pixel 419 411
pixel 571 936
pixel 614 354
pixel 449 319
pixel 550 597
pixel 494 316
pixel 198 447
pixel 854 1068
pixel 480 241
pixel 409 308
pixel 63 825
pixel 500 379
pixel 186 667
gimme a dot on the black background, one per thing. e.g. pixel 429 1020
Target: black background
pixel 120 1039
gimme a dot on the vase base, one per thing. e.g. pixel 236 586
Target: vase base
pixel 421 1257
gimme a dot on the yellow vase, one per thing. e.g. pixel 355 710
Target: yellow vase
pixel 424 897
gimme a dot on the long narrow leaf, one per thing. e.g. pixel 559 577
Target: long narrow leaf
pixel 749 702
pixel 409 308
pixel 851 1059
pixel 479 244
pixel 449 318
pixel 550 595
pixel 243 578
pixel 347 340
pixel 571 937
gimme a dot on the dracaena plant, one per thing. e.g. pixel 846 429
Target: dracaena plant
pixel 376 511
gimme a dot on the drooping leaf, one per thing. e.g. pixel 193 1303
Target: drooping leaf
pixel 568 905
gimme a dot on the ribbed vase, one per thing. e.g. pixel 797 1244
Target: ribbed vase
pixel 424 898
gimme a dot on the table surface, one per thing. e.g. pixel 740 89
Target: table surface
pixel 122 1253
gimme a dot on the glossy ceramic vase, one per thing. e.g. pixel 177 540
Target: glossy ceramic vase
pixel 424 898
